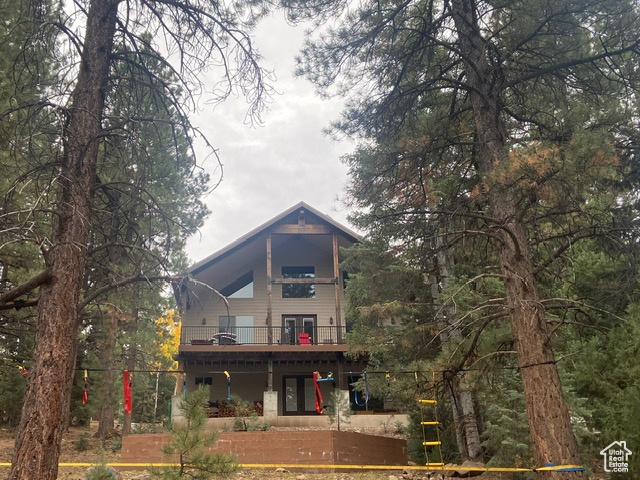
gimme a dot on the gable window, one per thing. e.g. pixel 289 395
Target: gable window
pixel 240 288
pixel 302 289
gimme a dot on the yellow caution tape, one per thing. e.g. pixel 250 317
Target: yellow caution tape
pixel 337 467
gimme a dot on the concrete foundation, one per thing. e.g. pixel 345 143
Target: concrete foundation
pixel 270 405
pixel 176 413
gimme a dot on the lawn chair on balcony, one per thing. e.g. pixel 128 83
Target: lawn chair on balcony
pixel 225 338
pixel 303 339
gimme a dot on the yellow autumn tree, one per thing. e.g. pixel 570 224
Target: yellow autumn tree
pixel 168 325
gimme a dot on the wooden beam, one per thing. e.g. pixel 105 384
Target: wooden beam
pixel 341 379
pixel 336 273
pixel 308 229
pixel 304 281
pixel 269 293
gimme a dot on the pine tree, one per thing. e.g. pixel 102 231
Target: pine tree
pixel 506 103
pixel 189 441
pixel 207 35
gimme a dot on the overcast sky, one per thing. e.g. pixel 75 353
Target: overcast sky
pixel 270 168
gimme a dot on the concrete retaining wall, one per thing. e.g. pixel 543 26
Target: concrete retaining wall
pixel 386 422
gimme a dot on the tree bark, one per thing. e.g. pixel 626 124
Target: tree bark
pixel 47 398
pixel 107 411
pixel 132 352
pixel 549 421
pixel 469 419
pixel 459 393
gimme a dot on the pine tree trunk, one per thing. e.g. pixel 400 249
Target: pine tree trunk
pixel 133 350
pixel 457 423
pixel 469 420
pixel 549 421
pixel 460 395
pixel 107 411
pixel 46 400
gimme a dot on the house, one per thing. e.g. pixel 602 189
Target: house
pixel 268 309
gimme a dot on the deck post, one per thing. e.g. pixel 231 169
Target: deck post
pixel 336 274
pixel 269 293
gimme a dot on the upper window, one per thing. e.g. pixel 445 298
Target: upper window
pixel 298 290
pixel 240 288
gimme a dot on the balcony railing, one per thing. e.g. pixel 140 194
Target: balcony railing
pixel 212 335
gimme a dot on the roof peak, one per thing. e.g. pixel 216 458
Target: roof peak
pixel 246 238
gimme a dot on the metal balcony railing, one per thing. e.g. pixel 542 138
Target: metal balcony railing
pixel 213 335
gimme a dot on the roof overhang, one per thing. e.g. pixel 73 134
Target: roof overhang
pixel 347 233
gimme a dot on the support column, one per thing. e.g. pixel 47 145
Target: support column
pixel 270 405
pixel 270 397
pixel 342 383
pixel 269 293
pixel 336 274
pixel 269 319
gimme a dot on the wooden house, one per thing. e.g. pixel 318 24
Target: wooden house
pixel 268 309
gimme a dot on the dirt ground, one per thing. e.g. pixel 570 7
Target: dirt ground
pixel 70 453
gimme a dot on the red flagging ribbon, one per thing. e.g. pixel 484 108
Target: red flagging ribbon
pixel 128 402
pixel 318 396
pixel 85 394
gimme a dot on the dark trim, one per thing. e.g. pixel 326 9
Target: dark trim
pixel 237 284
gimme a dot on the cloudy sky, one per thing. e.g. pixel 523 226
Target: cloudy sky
pixel 270 168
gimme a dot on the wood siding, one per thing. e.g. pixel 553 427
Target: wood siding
pixel 206 307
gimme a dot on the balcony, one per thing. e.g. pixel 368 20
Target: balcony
pixel 213 335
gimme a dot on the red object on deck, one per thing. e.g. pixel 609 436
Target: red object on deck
pixel 318 396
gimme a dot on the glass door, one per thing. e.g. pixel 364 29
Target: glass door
pixel 299 395
pixel 290 333
pixel 294 325
pixel 290 396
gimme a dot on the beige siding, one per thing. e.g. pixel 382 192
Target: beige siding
pixel 296 251
pixel 206 306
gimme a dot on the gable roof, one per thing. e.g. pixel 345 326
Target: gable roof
pixel 248 237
